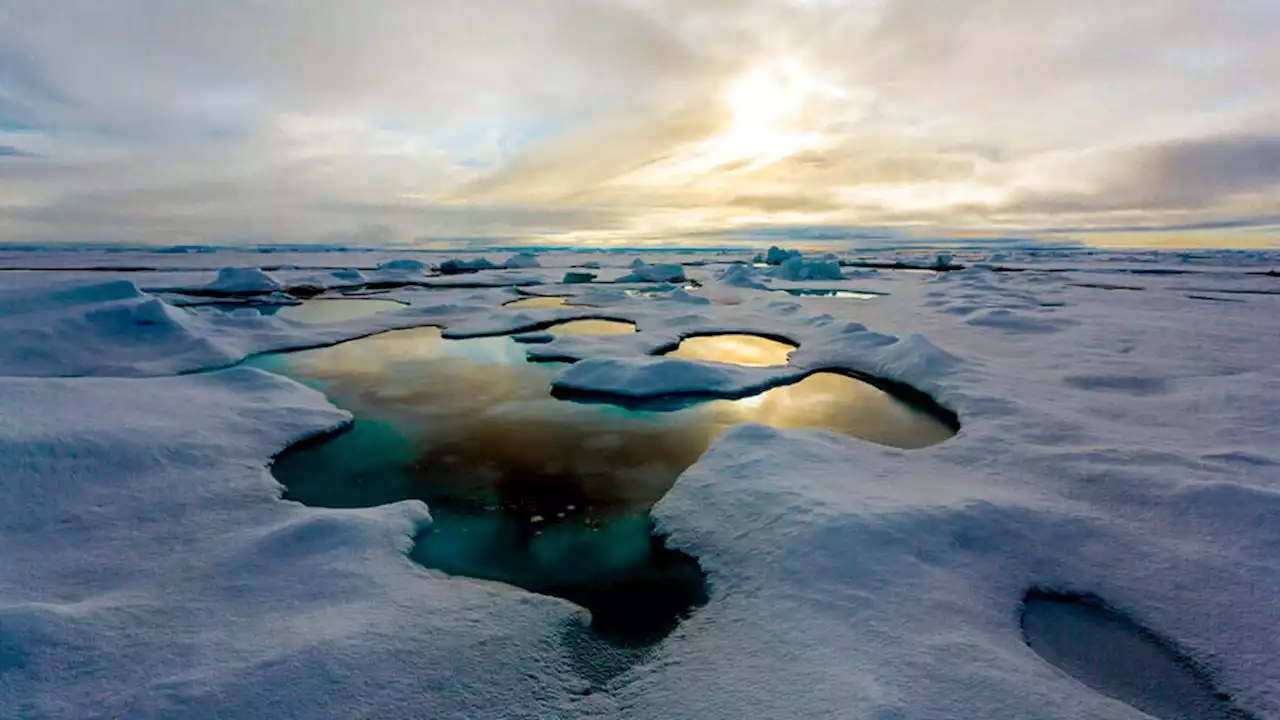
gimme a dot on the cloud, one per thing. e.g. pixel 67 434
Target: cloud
pixel 9 151
pixel 1206 170
pixel 594 121
pixel 1218 182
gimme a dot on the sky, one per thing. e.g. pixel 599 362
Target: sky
pixel 415 122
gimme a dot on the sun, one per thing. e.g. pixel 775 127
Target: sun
pixel 764 105
pixel 769 117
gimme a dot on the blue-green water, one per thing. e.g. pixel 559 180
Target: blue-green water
pixel 523 488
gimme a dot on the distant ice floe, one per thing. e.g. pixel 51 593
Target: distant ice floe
pixel 797 268
pixel 460 265
pixel 740 275
pixel 404 265
pixel 643 272
pixel 776 256
pixel 239 281
pixel 522 261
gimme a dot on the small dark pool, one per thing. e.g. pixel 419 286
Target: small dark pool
pixel 830 292
pixel 1116 656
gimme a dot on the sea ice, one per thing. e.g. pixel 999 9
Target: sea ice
pixel 242 281
pixel 1118 444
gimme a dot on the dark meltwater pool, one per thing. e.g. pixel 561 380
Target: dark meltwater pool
pixel 827 292
pixel 527 489
pixel 1114 655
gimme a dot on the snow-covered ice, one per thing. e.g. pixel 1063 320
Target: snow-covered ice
pixel 799 269
pixel 1113 443
pixel 644 272
pixel 237 281
pixel 522 260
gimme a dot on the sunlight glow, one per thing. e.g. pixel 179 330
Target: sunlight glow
pixel 769 119
pixel 922 196
pixel 765 104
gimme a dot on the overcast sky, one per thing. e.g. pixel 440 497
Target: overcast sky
pixel 554 121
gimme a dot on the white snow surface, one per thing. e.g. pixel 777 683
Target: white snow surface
pixel 1118 442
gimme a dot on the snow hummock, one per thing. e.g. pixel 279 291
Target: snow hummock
pixel 740 275
pixel 574 276
pixel 522 260
pixel 643 272
pixel 104 328
pixel 348 275
pixel 681 295
pixel 777 256
pixel 403 265
pixel 461 265
pixel 797 268
pixel 234 281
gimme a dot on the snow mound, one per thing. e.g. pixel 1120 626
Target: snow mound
pixel 799 269
pixel 777 256
pixel 681 295
pixel 104 328
pixel 643 272
pixel 350 275
pixel 23 300
pixel 1017 323
pixel 740 275
pixel 522 261
pixel 404 265
pixel 912 359
pixel 455 266
pixel 242 281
